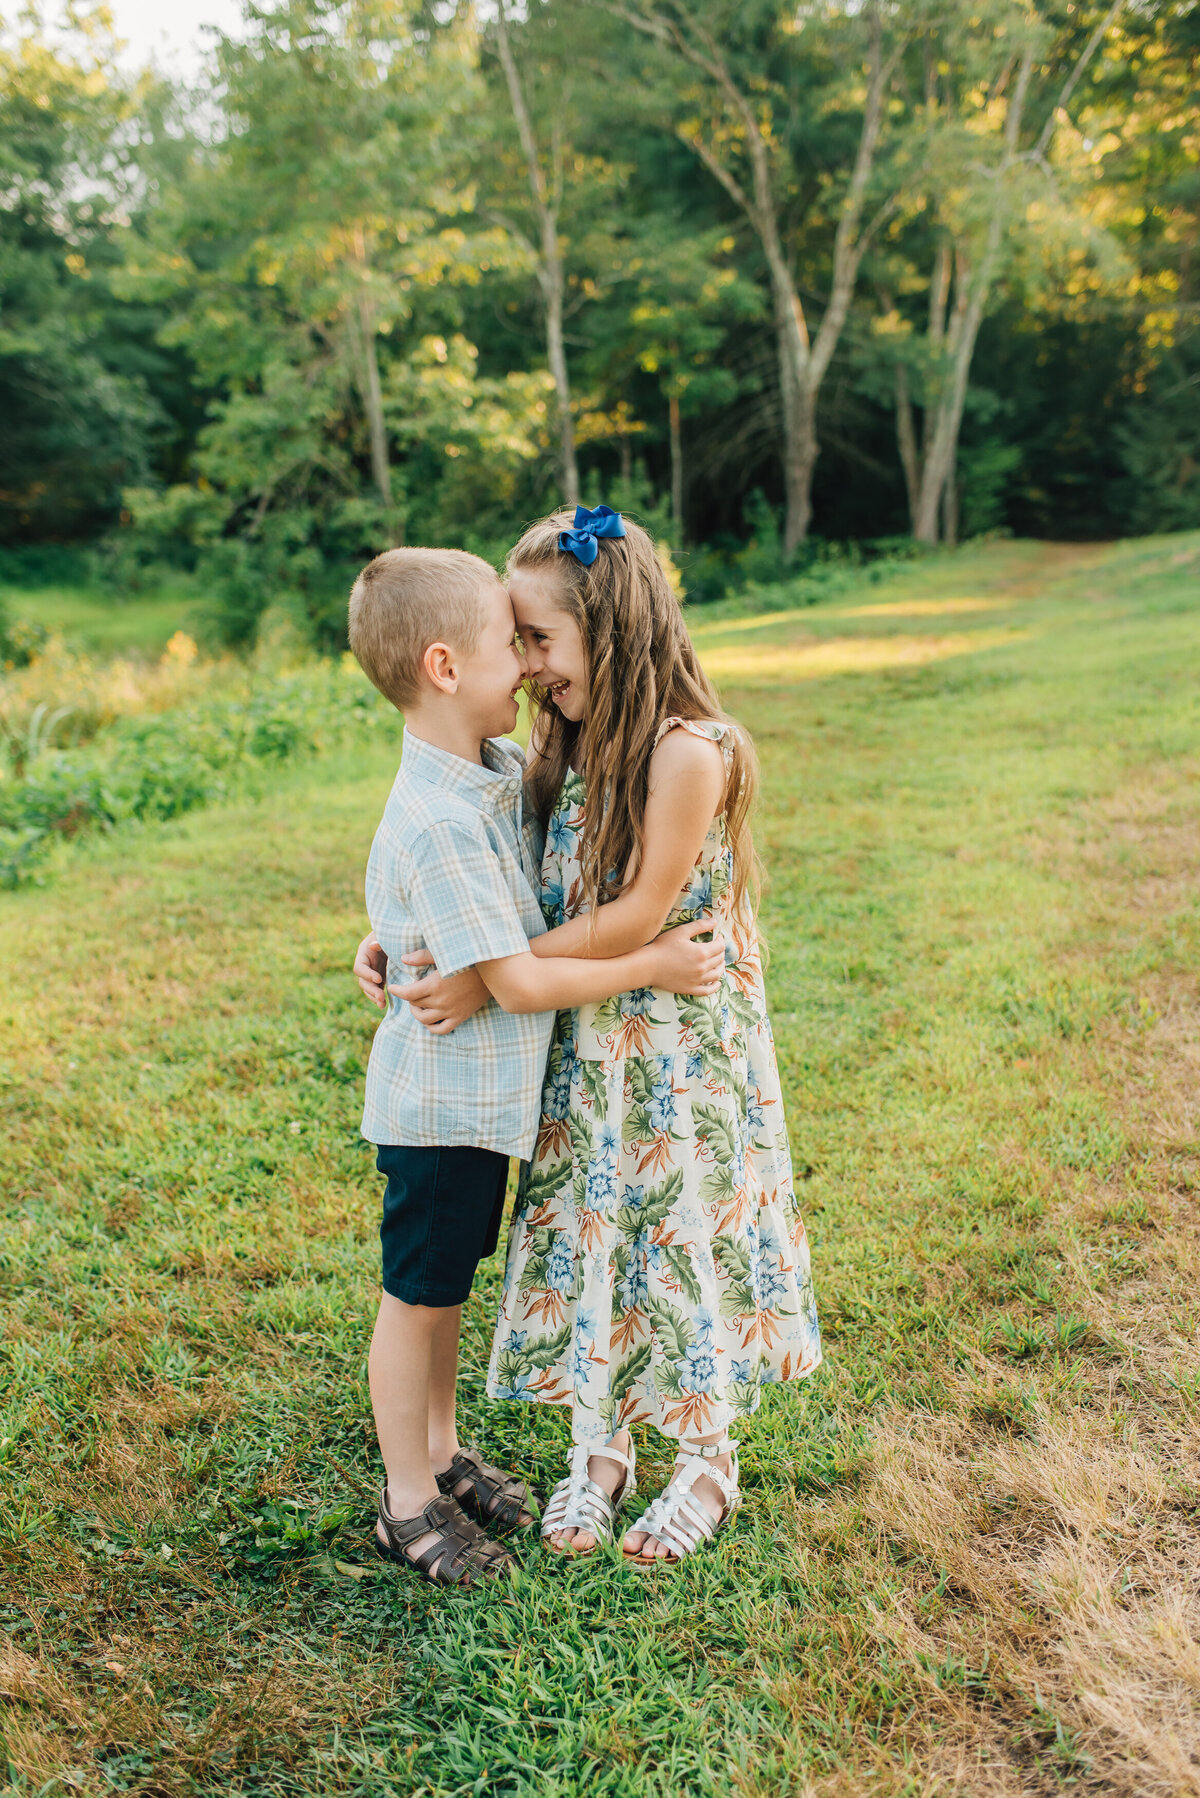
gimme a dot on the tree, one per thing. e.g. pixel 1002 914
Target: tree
pixel 79 417
pixel 735 119
pixel 1139 127
pixel 546 194
pixel 339 161
pixel 323 218
pixel 971 200
pixel 669 318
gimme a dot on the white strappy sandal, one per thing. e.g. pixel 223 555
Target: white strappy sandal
pixel 578 1503
pixel 678 1518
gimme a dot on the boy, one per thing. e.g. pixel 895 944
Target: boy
pixel 454 868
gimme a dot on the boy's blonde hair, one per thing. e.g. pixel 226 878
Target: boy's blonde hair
pixel 407 599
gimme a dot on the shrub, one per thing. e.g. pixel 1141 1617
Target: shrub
pixel 45 565
pixel 21 639
pixel 161 765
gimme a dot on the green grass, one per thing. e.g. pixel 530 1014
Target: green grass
pixel 968 1555
pixel 104 623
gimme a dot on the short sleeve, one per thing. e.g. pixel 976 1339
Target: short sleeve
pixel 460 900
pixel 712 730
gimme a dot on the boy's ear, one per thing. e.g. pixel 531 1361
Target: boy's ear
pixel 441 666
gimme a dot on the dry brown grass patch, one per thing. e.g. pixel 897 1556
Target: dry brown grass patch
pixel 1044 1603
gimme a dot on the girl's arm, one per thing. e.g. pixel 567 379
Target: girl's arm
pixel 676 961
pixel 687 784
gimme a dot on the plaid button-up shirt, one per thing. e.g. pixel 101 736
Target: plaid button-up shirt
pixel 454 869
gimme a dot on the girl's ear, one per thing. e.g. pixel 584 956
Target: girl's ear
pixel 441 665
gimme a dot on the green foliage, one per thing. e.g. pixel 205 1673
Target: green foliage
pixel 257 333
pixel 80 414
pixel 20 638
pixel 1159 447
pixel 163 765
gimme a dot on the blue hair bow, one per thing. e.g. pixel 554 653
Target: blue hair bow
pixel 580 540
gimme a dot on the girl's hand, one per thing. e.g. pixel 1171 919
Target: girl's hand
pixel 370 969
pixel 683 965
pixel 441 1005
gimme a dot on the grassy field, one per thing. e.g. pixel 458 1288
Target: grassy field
pixel 969 1558
pixel 101 624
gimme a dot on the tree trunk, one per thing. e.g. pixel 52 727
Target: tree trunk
pixel 550 273
pixel 938 459
pixel 945 414
pixel 801 449
pixel 372 394
pixel 798 396
pixel 972 290
pixel 676 468
pixel 906 441
pixel 369 384
pixel 950 507
pixel 906 430
pixel 556 357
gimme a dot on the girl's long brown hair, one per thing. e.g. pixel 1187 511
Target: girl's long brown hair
pixel 641 669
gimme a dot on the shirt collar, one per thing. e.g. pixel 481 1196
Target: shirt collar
pixel 488 785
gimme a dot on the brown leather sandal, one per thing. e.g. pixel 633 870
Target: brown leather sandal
pixel 461 1555
pixel 492 1497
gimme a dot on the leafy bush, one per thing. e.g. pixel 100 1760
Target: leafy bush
pixel 20 638
pixel 1158 445
pixel 819 568
pixel 96 693
pixel 160 765
pixel 45 565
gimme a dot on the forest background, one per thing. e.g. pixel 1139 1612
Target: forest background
pixel 797 282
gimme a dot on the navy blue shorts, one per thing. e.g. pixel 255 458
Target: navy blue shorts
pixel 441 1215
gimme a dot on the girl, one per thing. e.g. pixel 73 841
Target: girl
pixel 657 1265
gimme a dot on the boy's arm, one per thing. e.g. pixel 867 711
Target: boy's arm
pixel 441 1005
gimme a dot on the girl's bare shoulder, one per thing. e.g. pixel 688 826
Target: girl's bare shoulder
pixel 682 754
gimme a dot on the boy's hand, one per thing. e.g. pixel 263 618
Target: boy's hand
pixel 683 965
pixel 370 969
pixel 441 1005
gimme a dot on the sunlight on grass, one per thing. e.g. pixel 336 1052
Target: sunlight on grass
pixel 923 608
pixel 776 664
pixel 104 624
pixel 816 616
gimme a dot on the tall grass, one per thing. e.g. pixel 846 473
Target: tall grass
pixel 152 742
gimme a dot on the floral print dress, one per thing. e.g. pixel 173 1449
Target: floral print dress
pixel 657 1267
